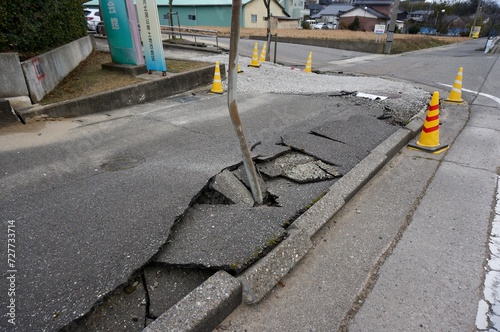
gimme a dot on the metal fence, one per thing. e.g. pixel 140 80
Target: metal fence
pixel 199 37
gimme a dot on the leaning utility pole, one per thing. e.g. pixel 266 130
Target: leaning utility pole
pixel 267 3
pixel 392 27
pixel 233 106
pixel 475 18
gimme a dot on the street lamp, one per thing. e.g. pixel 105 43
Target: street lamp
pixel 364 18
pixel 435 23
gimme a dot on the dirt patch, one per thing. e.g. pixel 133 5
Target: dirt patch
pixel 37 131
pixel 89 78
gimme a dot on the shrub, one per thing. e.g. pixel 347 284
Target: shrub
pixel 414 29
pixel 354 26
pixel 32 27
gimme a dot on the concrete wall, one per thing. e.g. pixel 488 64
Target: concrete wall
pixel 284 24
pixel 12 81
pixel 360 46
pixel 126 96
pixel 45 71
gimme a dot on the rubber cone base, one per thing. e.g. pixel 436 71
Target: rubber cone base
pixel 456 102
pixel 434 150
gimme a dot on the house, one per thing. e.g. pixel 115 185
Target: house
pixel 382 6
pixel 213 12
pixel 367 16
pixel 452 25
pixel 314 8
pixel 402 15
pixel 295 8
pixel 331 13
pixel 419 15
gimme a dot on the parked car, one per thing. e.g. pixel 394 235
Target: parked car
pixel 322 26
pixel 93 17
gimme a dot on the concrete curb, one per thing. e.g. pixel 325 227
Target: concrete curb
pixel 202 309
pixel 127 96
pixel 7 115
pixel 263 275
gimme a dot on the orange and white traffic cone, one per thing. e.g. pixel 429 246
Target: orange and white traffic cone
pixel 263 53
pixel 255 57
pixel 217 84
pixel 456 92
pixel 309 63
pixel 429 137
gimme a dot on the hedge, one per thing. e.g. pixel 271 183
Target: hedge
pixel 31 27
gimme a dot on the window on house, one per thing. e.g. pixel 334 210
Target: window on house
pixel 254 18
pixel 191 17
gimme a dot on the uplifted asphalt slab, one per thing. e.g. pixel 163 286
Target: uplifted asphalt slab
pixel 231 236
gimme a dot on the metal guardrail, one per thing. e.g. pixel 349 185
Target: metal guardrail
pixel 182 32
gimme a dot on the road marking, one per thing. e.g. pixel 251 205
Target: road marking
pixel 486 312
pixel 357 60
pixel 370 96
pixel 477 92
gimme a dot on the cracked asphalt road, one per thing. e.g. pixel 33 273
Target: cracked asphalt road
pixel 84 228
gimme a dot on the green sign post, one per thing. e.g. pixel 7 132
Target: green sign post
pixel 121 45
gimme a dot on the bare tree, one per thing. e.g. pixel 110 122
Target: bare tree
pixel 267 3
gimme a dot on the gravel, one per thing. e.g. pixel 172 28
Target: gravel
pixel 404 100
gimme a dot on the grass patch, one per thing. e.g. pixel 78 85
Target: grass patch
pixel 89 78
pixel 401 42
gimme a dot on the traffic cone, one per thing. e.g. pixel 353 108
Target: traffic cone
pixel 429 137
pixel 456 92
pixel 263 53
pixel 255 57
pixel 309 63
pixel 239 69
pixel 217 85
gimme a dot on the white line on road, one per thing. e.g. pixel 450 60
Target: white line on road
pixel 487 313
pixel 480 93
